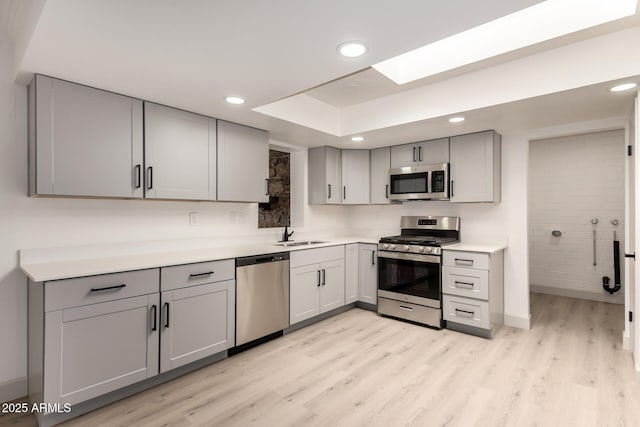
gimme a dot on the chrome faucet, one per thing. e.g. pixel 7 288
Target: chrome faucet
pixel 286 234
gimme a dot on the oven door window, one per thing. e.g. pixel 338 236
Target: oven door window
pixel 409 183
pixel 421 279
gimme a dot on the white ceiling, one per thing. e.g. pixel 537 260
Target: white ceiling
pixel 191 54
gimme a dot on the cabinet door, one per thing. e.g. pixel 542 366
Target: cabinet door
pixel 368 274
pixel 88 141
pixel 351 273
pixel 304 293
pixel 332 287
pixel 333 175
pixel 434 151
pixel 196 322
pixel 180 154
pixel 404 155
pixel 355 177
pixel 380 164
pixel 98 348
pixel 243 163
pixel 473 159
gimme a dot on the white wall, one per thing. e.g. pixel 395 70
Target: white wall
pixel 573 179
pixel 55 222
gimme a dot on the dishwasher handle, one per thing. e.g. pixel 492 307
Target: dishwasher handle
pixel 262 259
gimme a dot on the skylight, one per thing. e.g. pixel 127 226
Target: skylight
pixel 538 23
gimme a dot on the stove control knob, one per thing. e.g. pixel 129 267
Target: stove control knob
pixel 392 247
pixel 428 250
pixel 420 249
pixel 385 246
pixel 406 247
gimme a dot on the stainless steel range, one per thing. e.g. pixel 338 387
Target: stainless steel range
pixel 409 268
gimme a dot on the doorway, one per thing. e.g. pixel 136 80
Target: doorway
pixel 576 214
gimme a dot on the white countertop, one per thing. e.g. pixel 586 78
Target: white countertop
pixel 477 247
pixel 44 265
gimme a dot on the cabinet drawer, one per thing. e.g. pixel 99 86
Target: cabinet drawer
pixel 466 311
pixel 316 256
pixel 183 276
pixel 466 259
pixel 69 293
pixel 466 282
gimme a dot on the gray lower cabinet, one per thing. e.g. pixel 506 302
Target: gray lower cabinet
pixel 243 163
pixel 83 141
pixel 180 154
pixel 368 273
pixel 92 335
pixel 198 312
pixel 351 273
pixel 317 282
pixel 473 291
pixel 475 167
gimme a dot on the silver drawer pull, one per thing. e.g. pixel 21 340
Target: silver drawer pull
pixel 109 288
pixel 208 273
pixel 404 307
pixel 465 285
pixel 461 260
pixel 464 313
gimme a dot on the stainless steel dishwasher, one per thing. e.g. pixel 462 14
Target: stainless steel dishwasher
pixel 262 296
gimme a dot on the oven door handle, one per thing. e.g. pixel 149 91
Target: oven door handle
pixel 409 257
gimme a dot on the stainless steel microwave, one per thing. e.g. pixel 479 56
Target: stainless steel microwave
pixel 425 182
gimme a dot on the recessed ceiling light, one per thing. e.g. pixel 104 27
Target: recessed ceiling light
pixel 456 119
pixel 357 138
pixel 352 49
pixel 234 100
pixel 625 86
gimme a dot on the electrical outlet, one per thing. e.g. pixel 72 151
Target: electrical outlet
pixel 193 219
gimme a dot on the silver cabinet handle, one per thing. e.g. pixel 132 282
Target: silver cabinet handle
pixel 463 261
pixel 463 285
pixel 404 307
pixel 464 313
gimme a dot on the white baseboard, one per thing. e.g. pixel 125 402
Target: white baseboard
pixel 626 343
pixel 517 321
pixel 12 390
pixel 577 293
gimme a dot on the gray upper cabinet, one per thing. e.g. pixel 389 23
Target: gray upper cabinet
pixel 380 164
pixel 355 177
pixel 83 141
pixel 475 167
pixel 325 175
pixel 243 163
pixel 420 153
pixel 180 154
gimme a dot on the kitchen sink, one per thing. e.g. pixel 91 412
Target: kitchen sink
pixel 308 242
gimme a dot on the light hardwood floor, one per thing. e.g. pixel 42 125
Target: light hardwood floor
pixel 360 369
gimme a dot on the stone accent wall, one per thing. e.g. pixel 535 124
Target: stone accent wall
pixel 274 213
